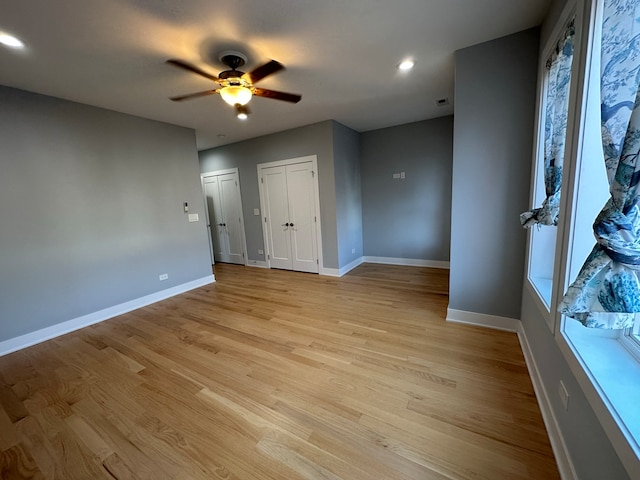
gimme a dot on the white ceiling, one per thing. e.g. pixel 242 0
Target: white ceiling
pixel 340 55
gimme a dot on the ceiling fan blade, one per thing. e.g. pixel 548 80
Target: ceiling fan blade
pixel 193 95
pixel 262 71
pixel 192 68
pixel 287 97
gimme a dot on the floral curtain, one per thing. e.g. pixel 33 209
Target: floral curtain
pixel 606 293
pixel 555 130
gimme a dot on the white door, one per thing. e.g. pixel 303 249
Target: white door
pixel 302 220
pixel 232 218
pixel 212 196
pixel 224 205
pixel 290 216
pixel 276 210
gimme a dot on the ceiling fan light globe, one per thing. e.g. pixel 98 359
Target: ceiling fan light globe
pixel 236 95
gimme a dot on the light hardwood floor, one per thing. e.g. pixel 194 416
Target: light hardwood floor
pixel 270 374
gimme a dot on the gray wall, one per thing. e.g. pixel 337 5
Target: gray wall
pixel 91 210
pixel 591 451
pixel 407 218
pixel 346 164
pixel 313 139
pixel 494 120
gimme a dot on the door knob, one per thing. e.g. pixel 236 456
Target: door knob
pixel 285 224
pixel 291 224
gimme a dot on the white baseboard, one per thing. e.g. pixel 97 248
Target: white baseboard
pixel 47 333
pixel 339 272
pixel 257 263
pixel 407 261
pixel 350 266
pixel 483 320
pixel 330 272
pixel 558 445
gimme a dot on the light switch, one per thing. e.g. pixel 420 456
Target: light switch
pixel 256 212
pixel 396 175
pixel 193 217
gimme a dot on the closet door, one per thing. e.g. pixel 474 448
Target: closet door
pixel 224 205
pixel 232 214
pixel 219 245
pixel 276 210
pixel 290 221
pixel 302 221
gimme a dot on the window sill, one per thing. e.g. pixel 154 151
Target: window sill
pixel 614 373
pixel 543 287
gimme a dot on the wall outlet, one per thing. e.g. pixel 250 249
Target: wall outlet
pixel 193 217
pixel 564 395
pixel 164 276
pixel 396 175
pixel 402 175
pixel 256 212
pixel 260 252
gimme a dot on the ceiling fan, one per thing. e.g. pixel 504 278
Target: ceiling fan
pixel 235 87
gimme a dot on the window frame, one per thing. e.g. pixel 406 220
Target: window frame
pixel 544 300
pixel 630 338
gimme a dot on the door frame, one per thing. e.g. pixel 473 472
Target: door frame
pixel 316 191
pixel 215 173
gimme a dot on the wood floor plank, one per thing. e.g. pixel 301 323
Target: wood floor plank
pixel 271 375
pixel 8 434
pixel 17 463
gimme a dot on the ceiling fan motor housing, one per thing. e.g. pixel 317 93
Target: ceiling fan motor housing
pixel 233 60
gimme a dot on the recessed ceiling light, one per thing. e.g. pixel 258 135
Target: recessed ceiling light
pixel 406 65
pixel 10 41
pixel 242 116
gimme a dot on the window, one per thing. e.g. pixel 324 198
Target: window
pixel 557 72
pixel 606 361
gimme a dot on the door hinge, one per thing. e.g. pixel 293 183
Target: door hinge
pixel 313 174
pixel 268 257
pixel 265 219
pixel 315 219
pixel 317 262
pixel 236 184
pixel 261 180
pixel 242 254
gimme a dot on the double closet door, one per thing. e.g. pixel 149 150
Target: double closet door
pixel 224 207
pixel 289 207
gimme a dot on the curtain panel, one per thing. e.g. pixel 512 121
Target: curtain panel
pixel 555 130
pixel 606 293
